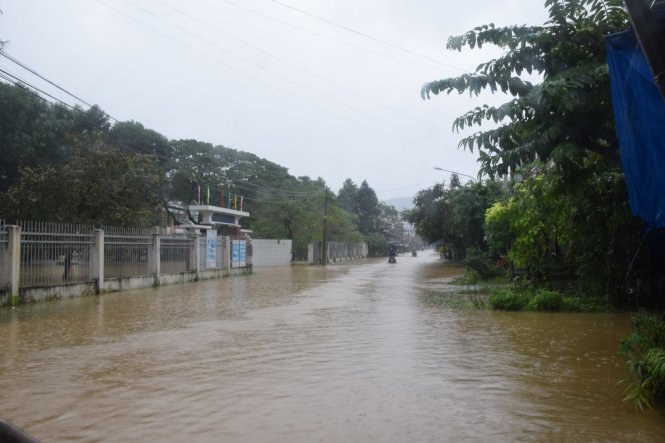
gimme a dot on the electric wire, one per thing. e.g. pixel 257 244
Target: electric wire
pixel 362 34
pixel 247 186
pixel 269 85
pixel 110 117
pixel 281 77
pixel 259 189
pixel 9 57
pixel 14 79
pixel 17 80
pixel 341 42
pixel 297 67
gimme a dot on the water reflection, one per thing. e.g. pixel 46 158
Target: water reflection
pixel 352 352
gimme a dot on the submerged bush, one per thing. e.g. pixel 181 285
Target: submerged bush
pixel 545 300
pixel 508 300
pixel 644 351
pixel 480 263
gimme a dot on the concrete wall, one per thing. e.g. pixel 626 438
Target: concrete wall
pixel 271 252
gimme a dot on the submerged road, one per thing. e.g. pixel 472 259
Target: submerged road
pixel 361 352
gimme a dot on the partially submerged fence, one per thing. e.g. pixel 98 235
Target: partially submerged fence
pixel 126 251
pixel 38 256
pixel 54 253
pixel 336 252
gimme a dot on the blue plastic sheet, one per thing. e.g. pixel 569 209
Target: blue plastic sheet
pixel 639 111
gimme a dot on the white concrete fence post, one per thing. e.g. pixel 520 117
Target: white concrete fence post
pixel 154 258
pixel 12 262
pixel 195 256
pixel 97 261
pixel 249 254
pixel 227 253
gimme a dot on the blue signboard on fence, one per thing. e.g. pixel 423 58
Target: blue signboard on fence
pixel 238 253
pixel 211 249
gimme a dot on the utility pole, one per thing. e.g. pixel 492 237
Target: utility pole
pixel 325 223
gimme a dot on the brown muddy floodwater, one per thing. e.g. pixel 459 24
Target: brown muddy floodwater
pixel 346 353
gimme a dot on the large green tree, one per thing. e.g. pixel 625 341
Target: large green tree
pixel 454 214
pixel 566 118
pixel 99 186
pixel 557 136
pixel 34 133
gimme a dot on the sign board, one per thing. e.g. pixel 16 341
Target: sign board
pixel 211 249
pixel 238 253
pixel 224 219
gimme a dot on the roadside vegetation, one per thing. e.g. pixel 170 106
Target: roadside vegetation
pixel 549 213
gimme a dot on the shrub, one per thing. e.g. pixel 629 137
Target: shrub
pixel 508 300
pixel 481 263
pixel 644 351
pixel 545 300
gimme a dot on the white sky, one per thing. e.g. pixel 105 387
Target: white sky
pixel 288 87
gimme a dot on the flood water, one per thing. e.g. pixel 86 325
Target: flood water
pixel 346 353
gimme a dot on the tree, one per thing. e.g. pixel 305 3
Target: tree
pixel 133 137
pixel 348 196
pixel 557 137
pixel 367 209
pixel 99 187
pixel 32 132
pixel 430 212
pixel 567 118
pixel 455 214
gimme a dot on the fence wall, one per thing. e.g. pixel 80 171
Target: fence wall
pixel 54 253
pixel 221 251
pixel 271 252
pixel 126 251
pixel 53 260
pixel 336 252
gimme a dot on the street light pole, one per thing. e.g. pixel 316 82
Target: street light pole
pixel 454 172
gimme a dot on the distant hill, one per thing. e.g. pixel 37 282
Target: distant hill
pixel 401 203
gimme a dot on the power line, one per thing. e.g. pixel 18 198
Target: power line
pixel 258 188
pixel 34 90
pixel 269 85
pixel 9 57
pixel 285 23
pixel 281 77
pixel 294 66
pixel 362 34
pixel 16 80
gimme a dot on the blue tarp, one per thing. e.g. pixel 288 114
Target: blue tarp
pixel 639 111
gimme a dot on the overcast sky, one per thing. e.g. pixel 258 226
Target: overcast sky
pixel 327 89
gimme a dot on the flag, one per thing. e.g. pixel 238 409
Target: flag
pixel 208 196
pixel 241 199
pixel 198 193
pixel 235 201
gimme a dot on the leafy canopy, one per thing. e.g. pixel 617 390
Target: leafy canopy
pixel 567 117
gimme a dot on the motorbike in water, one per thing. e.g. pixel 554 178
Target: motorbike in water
pixel 391 259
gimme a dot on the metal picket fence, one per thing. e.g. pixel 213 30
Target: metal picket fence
pixel 54 253
pixel 126 251
pixel 175 254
